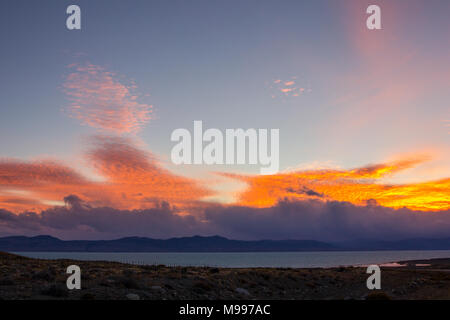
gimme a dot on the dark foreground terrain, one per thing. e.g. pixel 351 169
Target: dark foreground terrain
pixel 26 278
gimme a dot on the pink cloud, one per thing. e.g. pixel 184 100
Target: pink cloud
pixel 132 179
pixel 100 100
pixel 288 88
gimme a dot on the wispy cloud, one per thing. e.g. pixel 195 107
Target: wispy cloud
pixel 292 87
pixel 100 100
pixel 135 177
pixel 357 186
pixel 26 185
pixel 132 179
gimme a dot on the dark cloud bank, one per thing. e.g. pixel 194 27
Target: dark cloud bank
pixel 316 220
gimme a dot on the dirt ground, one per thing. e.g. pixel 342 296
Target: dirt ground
pixel 26 278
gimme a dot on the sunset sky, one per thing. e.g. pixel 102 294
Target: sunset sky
pixel 86 118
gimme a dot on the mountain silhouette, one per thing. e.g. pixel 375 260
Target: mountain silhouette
pixel 209 244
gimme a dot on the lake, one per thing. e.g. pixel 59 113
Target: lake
pixel 249 259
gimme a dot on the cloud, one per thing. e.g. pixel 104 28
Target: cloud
pixel 98 223
pixel 135 177
pixel 132 179
pixel 100 100
pixel 25 185
pixel 306 191
pixel 326 221
pixel 21 174
pixel 288 88
pixel 308 219
pixel 355 185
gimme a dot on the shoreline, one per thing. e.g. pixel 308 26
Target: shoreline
pixel 307 259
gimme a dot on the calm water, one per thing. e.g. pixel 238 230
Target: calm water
pixel 250 259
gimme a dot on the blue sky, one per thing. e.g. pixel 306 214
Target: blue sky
pixel 86 117
pixel 216 60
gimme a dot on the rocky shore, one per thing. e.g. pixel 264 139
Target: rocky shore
pixel 26 278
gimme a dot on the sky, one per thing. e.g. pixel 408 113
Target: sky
pixel 86 118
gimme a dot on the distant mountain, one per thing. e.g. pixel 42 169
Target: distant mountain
pixel 209 244
pixel 407 244
pixel 138 244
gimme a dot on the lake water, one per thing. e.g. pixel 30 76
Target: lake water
pixel 249 259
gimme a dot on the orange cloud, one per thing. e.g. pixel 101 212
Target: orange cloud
pixel 136 178
pixel 99 100
pixel 358 186
pixel 132 180
pixel 27 185
pixel 20 204
pixel 24 174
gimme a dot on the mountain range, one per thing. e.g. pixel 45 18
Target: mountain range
pixel 46 243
